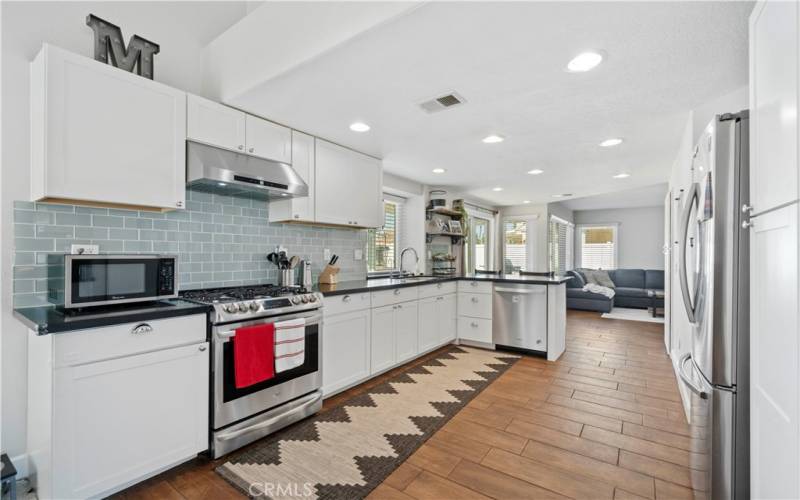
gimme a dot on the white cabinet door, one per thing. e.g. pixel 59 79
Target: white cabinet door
pixel 213 123
pixel 773 104
pixel 348 187
pixel 774 351
pixel 268 140
pixel 102 134
pixel 406 321
pixel 116 421
pixel 345 350
pixel 447 318
pixel 475 329
pixel 428 323
pixel 382 339
pixel 298 209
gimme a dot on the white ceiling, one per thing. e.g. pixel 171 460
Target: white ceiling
pixel 507 60
pixel 644 196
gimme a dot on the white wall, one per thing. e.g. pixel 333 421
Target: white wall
pixel 25 26
pixel 640 235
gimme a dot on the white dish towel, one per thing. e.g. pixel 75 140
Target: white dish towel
pixel 290 344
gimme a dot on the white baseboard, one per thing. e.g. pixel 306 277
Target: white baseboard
pixel 21 464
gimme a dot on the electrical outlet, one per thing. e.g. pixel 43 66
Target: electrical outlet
pixel 358 254
pixel 326 255
pixel 84 249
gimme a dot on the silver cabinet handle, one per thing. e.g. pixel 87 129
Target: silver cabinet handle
pixel 296 216
pixel 474 300
pixel 687 379
pixel 439 298
pixel 346 298
pixel 539 341
pixel 747 224
pixel 473 325
pixel 438 285
pixel 178 203
pixel 241 147
pixel 397 292
pixel 474 283
pixel 251 149
pixel 747 208
pixel 141 328
pixel 400 306
pixel 202 348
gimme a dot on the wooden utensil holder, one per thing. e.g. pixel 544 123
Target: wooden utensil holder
pixel 328 275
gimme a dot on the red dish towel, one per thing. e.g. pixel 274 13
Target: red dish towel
pixel 254 354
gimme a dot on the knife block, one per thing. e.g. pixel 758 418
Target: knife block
pixel 328 275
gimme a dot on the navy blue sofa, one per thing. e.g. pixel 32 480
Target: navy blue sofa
pixel 631 287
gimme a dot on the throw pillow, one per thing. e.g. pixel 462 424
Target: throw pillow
pixel 577 278
pixel 599 277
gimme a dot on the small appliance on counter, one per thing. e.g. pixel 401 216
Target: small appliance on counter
pixel 81 280
pixel 306 281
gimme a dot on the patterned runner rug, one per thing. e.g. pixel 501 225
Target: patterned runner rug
pixel 347 451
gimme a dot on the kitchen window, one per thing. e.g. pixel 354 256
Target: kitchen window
pixel 519 244
pixel 597 246
pixel 560 237
pixel 384 243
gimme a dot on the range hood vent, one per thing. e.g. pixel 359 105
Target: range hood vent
pixel 442 102
pixel 220 171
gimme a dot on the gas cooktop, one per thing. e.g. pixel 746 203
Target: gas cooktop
pixel 247 302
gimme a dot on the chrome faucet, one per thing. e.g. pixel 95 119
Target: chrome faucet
pixel 402 254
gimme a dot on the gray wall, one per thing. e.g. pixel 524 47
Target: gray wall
pixel 219 241
pixel 641 234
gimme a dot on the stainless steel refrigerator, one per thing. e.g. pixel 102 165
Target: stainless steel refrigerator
pixel 714 267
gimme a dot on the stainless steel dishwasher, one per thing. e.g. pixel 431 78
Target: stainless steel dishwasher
pixel 519 316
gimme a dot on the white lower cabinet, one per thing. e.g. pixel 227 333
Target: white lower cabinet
pixel 346 350
pixel 447 319
pixel 405 331
pixel 475 329
pixel 437 321
pixel 383 338
pixel 97 427
pixel 475 311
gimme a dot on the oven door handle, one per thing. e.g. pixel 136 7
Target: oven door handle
pixel 312 320
pixel 304 403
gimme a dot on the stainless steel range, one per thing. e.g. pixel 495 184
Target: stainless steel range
pixel 241 416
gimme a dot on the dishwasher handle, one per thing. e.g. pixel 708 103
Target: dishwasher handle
pixel 520 291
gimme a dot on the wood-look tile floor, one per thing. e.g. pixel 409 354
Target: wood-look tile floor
pixel 604 421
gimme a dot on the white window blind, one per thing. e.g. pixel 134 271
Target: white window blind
pixel 598 247
pixel 384 243
pixel 560 237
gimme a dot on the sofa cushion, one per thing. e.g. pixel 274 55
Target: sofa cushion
pixel 628 278
pixel 654 279
pixel 624 291
pixel 577 280
pixel 599 277
pixel 577 293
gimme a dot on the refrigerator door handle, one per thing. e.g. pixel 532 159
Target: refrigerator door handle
pixel 687 379
pixel 684 280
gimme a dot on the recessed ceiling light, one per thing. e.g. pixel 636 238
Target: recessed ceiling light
pixel 614 141
pixel 562 195
pixel 359 127
pixel 584 62
pixel 438 170
pixel 526 201
pixel 535 171
pixel 497 189
pixel 493 139
pixel 622 176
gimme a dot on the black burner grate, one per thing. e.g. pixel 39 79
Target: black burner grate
pixel 215 295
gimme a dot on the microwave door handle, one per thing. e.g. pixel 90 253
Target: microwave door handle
pixel 682 271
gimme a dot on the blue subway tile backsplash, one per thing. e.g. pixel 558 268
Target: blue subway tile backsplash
pixel 219 241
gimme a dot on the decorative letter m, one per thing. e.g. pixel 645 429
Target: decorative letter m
pixel 108 48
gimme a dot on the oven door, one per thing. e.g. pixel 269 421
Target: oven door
pixel 231 404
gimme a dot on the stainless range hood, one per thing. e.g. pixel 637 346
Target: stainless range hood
pixel 221 171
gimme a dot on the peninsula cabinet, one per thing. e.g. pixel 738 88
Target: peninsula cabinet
pixel 218 125
pixel 348 187
pixel 102 135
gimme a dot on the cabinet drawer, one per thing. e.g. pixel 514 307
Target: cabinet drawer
pixel 472 286
pixel 475 305
pixel 94 344
pixel 395 296
pixel 433 290
pixel 479 330
pixel 345 303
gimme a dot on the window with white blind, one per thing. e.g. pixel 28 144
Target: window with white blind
pixel 560 242
pixel 519 244
pixel 384 243
pixel 597 245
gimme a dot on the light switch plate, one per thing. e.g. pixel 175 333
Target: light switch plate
pixel 326 255
pixel 358 254
pixel 84 249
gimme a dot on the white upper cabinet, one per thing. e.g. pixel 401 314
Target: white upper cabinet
pixel 104 135
pixel 218 125
pixel 268 140
pixel 348 187
pixel 213 123
pixel 299 209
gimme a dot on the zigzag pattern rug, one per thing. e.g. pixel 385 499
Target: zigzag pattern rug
pixel 345 452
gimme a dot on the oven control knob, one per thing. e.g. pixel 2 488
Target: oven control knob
pixel 231 308
pixel 305 299
pixel 254 306
pixel 242 307
pixel 295 300
pixel 312 298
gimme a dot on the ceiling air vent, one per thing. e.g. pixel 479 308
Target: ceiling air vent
pixel 442 102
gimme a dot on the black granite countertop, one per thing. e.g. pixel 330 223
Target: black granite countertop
pixel 376 284
pixel 49 319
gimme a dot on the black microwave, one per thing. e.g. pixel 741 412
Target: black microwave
pixel 75 281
